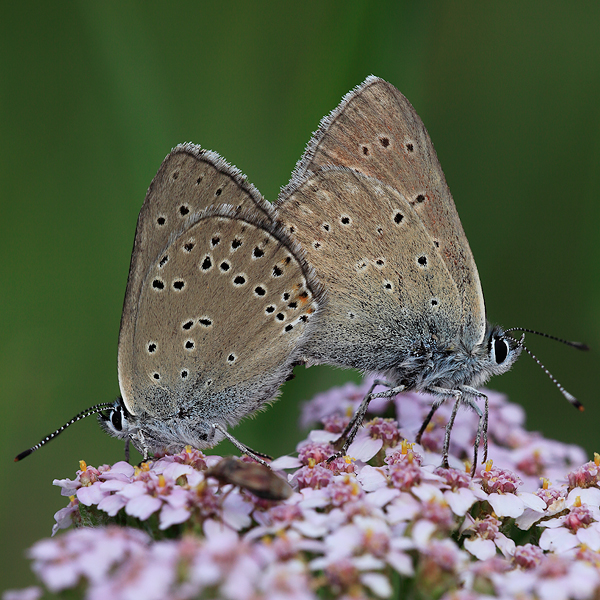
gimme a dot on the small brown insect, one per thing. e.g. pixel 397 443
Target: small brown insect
pixel 251 476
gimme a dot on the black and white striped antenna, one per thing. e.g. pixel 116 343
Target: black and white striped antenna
pixel 577 345
pixel 93 410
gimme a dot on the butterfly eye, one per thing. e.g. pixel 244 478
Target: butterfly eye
pixel 116 419
pixel 500 350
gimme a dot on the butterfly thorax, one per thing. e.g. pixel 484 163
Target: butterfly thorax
pixel 432 365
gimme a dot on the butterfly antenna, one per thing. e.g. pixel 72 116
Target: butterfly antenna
pixel 577 345
pixel 564 392
pixel 82 415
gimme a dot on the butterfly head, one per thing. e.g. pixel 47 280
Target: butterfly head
pixel 117 421
pixel 497 353
pixel 150 435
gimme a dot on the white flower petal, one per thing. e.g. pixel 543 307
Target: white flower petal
pixel 29 593
pixel 219 536
pixel 506 505
pixel 478 491
pixel 558 540
pixel 172 516
pixel 132 490
pixel 590 496
pixel 590 536
pixel 400 562
pixel 176 470
pixel 90 494
pixel 343 542
pixel 69 487
pixel 555 588
pixel 312 529
pixel 532 501
pixel 122 467
pixel 63 518
pixel 236 511
pixel 142 506
pixel 286 462
pixel 378 583
pixel 404 508
pixel 515 584
pixel 318 564
pixel 372 478
pixel 505 545
pixel 460 501
pixel 367 562
pixel 379 498
pixel 195 478
pixel 112 504
pixel 481 549
pixel 320 436
pixel 427 492
pixel 401 543
pixel 113 485
pixel 552 523
pixel 311 498
pixel 528 518
pixel 364 448
pixel 422 532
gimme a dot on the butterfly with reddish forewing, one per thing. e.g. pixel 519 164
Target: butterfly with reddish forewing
pixel 369 203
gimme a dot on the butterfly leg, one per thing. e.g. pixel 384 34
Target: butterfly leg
pixel 343 442
pixel 483 423
pixel 436 404
pixel 257 456
pixel 361 411
pixel 449 427
pixel 465 398
pixel 458 395
pixel 127 444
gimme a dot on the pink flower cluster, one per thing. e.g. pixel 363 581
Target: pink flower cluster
pixel 383 521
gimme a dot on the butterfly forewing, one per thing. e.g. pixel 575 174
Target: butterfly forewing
pixel 195 289
pixel 189 180
pixel 377 132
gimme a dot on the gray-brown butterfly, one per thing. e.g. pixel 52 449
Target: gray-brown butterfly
pixel 369 203
pixel 218 299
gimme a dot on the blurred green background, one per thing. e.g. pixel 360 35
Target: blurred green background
pixel 94 95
